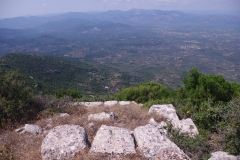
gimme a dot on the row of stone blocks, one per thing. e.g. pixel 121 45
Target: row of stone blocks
pixel 62 142
pixel 105 104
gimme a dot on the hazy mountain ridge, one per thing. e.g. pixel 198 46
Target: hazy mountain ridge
pixel 79 25
pixel 134 16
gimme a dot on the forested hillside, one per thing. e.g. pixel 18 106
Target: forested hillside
pixel 48 74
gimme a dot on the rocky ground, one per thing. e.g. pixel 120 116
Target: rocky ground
pixel 97 130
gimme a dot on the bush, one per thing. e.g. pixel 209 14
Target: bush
pixel 200 87
pixel 195 147
pixel 143 93
pixel 228 126
pixel 68 92
pixel 212 102
pixel 49 105
pixel 16 98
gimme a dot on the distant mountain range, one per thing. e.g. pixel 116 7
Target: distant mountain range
pixel 139 45
pixel 131 17
pixel 80 25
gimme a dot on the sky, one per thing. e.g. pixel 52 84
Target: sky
pixel 15 8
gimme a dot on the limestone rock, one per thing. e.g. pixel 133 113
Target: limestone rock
pixel 124 103
pixel 63 115
pixel 133 102
pixel 153 122
pixel 93 104
pixel 110 103
pixel 20 129
pixel 169 112
pixel 140 105
pixel 62 142
pixel 171 154
pixel 30 128
pixel 81 103
pixel 155 145
pixel 90 125
pixel 101 116
pixel 219 155
pixel 187 126
pixel 113 140
pixel 166 110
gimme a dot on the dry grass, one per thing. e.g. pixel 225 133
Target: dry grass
pixel 28 147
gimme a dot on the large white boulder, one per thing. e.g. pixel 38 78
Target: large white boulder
pixel 187 126
pixel 168 111
pixel 165 110
pixel 113 140
pixel 153 143
pixel 220 155
pixel 101 116
pixel 62 142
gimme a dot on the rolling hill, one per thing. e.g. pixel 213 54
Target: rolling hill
pixel 47 74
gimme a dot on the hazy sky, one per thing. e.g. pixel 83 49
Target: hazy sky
pixel 13 8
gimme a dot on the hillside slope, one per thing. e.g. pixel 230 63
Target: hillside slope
pixel 48 74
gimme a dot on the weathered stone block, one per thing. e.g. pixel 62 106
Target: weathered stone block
pixel 62 142
pixel 113 140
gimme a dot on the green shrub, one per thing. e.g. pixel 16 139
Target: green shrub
pixel 143 93
pixel 102 98
pixel 228 126
pixel 50 105
pixel 212 102
pixel 68 92
pixel 16 98
pixel 195 147
pixel 200 87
